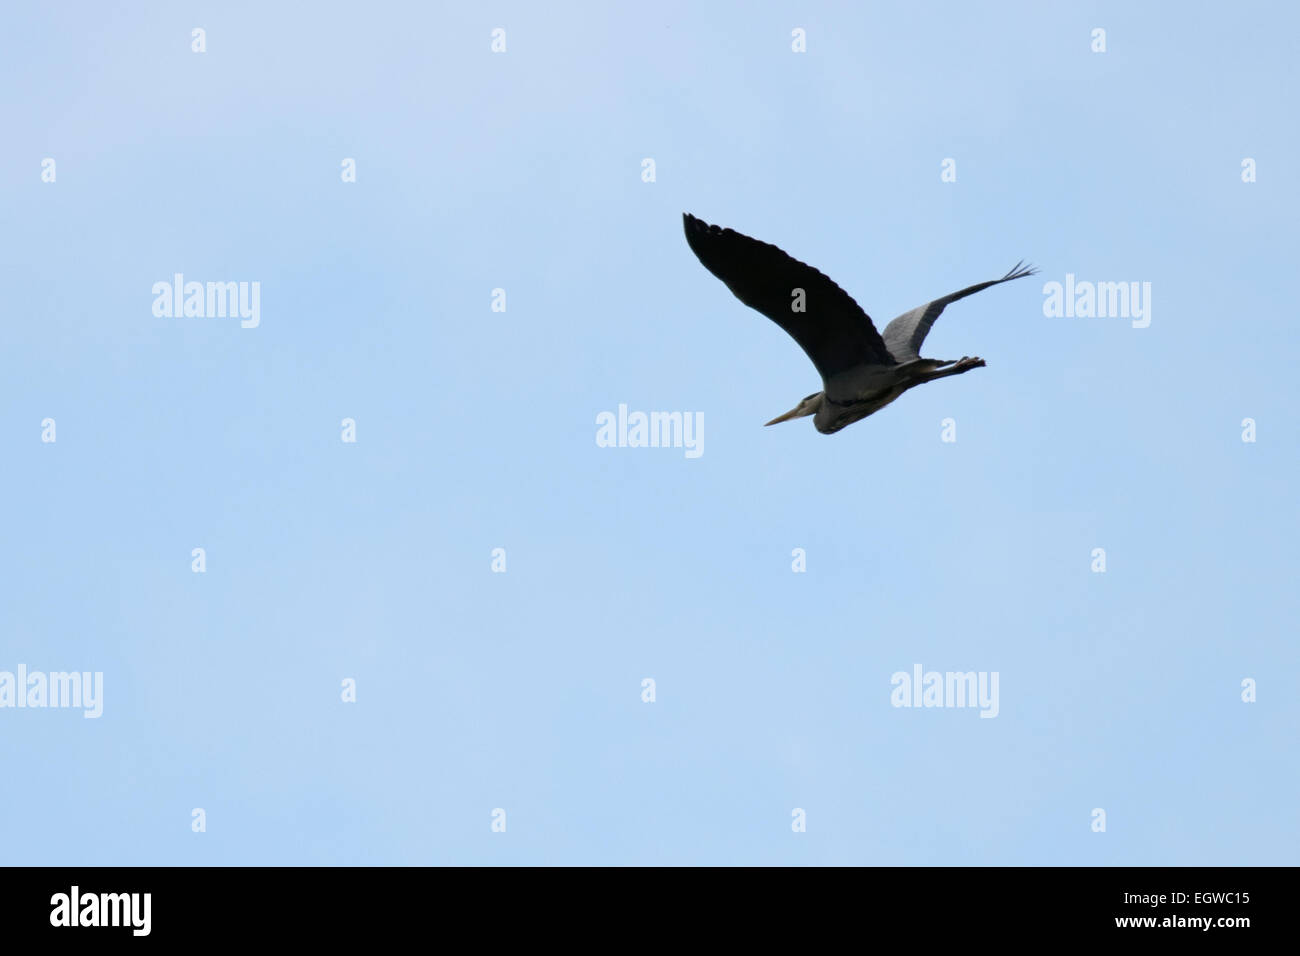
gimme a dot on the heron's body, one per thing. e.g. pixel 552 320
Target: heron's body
pixel 874 391
pixel 862 371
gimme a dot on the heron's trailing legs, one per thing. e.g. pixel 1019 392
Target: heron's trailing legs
pixel 963 364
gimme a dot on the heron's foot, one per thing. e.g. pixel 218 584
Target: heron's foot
pixel 966 362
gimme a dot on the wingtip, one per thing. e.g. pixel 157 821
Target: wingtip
pixel 1020 270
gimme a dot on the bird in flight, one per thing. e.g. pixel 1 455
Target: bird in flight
pixel 862 371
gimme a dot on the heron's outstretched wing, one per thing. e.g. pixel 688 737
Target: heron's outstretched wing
pixel 832 329
pixel 904 335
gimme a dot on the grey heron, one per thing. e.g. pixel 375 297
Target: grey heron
pixel 862 371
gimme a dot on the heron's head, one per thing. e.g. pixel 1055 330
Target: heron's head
pixel 808 406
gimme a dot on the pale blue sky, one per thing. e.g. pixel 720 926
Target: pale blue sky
pixel 476 430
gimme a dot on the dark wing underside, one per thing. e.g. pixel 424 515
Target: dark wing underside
pixel 833 329
pixel 904 335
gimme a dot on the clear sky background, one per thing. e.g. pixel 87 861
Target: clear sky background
pixel 476 430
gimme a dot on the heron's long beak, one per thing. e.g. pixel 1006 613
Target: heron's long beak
pixel 792 413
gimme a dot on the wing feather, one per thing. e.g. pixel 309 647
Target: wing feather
pixel 833 329
pixel 904 335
